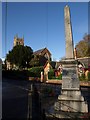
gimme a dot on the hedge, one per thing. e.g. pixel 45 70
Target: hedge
pixel 51 74
pixel 24 74
pixel 14 74
pixel 35 71
pixel 88 76
pixel 83 78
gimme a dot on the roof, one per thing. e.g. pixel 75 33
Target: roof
pixel 38 52
pixel 53 64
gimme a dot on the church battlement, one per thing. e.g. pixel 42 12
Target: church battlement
pixel 18 41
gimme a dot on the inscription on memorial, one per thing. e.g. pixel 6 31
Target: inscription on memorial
pixel 70 83
pixel 68 72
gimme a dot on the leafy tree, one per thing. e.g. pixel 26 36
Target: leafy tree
pixel 34 61
pixel 20 56
pixel 38 60
pixel 83 47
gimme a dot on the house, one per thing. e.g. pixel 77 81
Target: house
pixel 47 68
pixel 57 66
pixel 41 56
pixel 43 52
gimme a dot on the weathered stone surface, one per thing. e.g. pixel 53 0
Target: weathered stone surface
pixel 68 34
pixel 71 97
pixel 71 106
pixel 70 76
pixel 71 100
pixel 69 83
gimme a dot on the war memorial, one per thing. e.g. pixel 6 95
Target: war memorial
pixel 70 100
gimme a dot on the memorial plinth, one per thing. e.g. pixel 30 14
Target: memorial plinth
pixel 70 99
pixel 70 76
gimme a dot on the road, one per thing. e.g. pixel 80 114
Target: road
pixel 15 97
pixel 14 100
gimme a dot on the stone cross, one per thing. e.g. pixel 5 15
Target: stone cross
pixel 68 33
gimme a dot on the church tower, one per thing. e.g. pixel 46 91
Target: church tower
pixel 18 41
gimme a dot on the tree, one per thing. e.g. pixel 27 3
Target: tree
pixel 38 60
pixel 34 61
pixel 83 47
pixel 20 56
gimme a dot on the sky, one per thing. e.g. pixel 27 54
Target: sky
pixel 42 25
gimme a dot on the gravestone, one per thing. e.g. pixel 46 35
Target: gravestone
pixel 70 99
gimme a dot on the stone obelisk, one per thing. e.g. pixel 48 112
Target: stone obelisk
pixel 68 34
pixel 70 99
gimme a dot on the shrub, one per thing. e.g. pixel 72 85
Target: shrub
pixel 35 71
pixel 88 76
pixel 60 77
pixel 82 77
pixel 51 74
